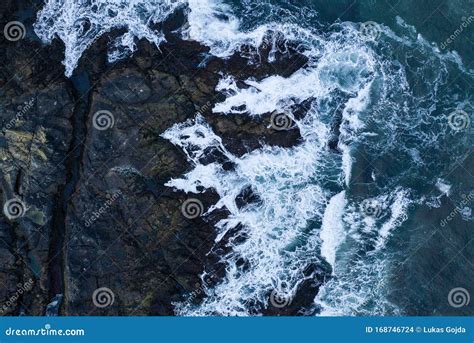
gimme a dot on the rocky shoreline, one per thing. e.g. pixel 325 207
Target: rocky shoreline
pixel 97 212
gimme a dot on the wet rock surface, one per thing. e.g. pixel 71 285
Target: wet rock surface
pixel 96 211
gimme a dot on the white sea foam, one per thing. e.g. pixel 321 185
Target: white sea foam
pixel 308 211
pixel 332 228
pixel 280 244
pixel 398 214
pixel 444 187
pixel 360 285
pixel 358 290
pixel 79 24
pixel 277 248
pixel 212 23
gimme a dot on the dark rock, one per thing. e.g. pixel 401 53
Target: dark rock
pixel 98 213
pixel 127 87
pixel 246 197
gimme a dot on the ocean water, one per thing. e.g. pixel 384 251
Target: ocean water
pixel 362 221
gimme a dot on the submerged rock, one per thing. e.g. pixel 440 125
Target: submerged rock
pixel 53 307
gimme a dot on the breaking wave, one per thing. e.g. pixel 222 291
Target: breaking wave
pixel 80 23
pixel 325 212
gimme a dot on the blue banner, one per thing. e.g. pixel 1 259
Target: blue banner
pixel 245 330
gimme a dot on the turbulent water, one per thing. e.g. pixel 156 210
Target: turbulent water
pixel 403 119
